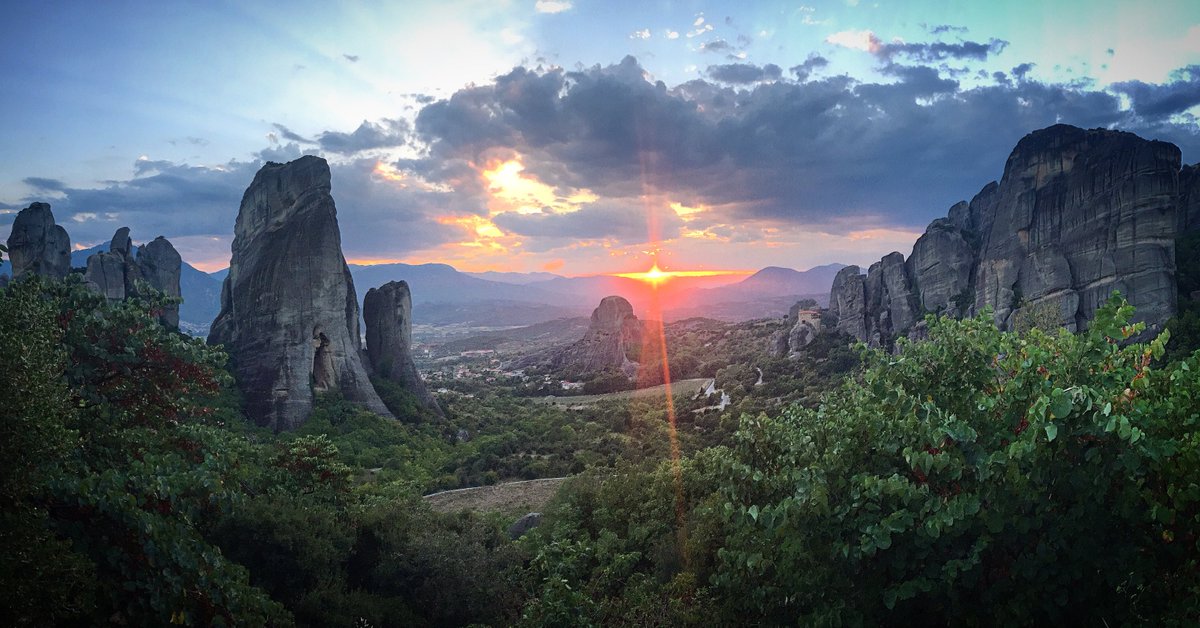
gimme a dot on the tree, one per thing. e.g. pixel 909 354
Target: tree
pixel 980 477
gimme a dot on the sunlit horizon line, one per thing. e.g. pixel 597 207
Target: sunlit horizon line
pixel 627 275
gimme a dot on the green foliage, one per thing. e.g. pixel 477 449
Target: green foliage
pixel 126 476
pixel 978 478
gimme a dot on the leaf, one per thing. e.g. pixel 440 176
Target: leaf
pixel 1060 403
pixel 1051 431
pixel 753 512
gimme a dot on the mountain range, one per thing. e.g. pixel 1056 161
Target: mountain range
pixel 443 295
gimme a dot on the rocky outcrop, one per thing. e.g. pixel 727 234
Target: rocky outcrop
pixel 801 327
pixel 387 311
pixel 1189 199
pixel 161 266
pixel 116 273
pixel 941 267
pixel 37 245
pixel 613 342
pixel 1078 214
pixel 289 312
pixel 847 302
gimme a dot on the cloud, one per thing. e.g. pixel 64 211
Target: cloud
pixel 716 45
pixel 940 51
pixel 835 152
pixel 744 73
pixel 289 135
pixel 813 63
pixel 1163 100
pixel 387 133
pixel 642 34
pixel 622 221
pixel 926 52
pixel 351 58
pixel 670 34
pixel 746 149
pixel 43 184
pixel 552 6
pixel 865 41
pixel 946 28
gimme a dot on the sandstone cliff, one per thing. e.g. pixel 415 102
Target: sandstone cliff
pixel 289 312
pixel 613 342
pixel 37 245
pixel 387 311
pixel 1077 214
pixel 115 273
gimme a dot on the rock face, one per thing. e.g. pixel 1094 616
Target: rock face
pixel 613 341
pixel 387 311
pixel 37 245
pixel 801 327
pixel 115 273
pixel 847 302
pixel 289 313
pixel 161 266
pixel 1078 214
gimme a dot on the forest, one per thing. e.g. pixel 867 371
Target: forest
pixel 980 477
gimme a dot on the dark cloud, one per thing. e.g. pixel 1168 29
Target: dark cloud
pixel 42 184
pixel 1021 70
pixel 940 51
pixel 744 73
pixel 351 58
pixel 386 134
pixel 946 28
pixel 378 218
pixel 716 45
pixel 620 220
pixel 1161 101
pixel 834 151
pixel 813 63
pixel 289 135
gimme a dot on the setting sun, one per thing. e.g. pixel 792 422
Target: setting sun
pixel 656 275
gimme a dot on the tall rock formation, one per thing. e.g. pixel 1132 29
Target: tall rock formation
pixel 161 267
pixel 847 302
pixel 289 313
pixel 1078 214
pixel 613 342
pixel 115 273
pixel 387 311
pixel 37 245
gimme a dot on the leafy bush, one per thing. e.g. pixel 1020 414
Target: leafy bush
pixel 978 478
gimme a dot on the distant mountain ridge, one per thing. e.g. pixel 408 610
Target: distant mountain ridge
pixel 443 295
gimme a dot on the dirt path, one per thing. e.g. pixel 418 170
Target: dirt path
pixel 515 498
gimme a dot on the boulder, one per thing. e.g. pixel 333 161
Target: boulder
pixel 37 245
pixel 289 312
pixel 524 524
pixel 387 312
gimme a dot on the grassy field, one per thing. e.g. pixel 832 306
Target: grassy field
pixel 511 498
pixel 682 387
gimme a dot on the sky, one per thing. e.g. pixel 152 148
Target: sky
pixel 571 136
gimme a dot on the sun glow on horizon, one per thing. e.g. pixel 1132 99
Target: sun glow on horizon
pixel 656 275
